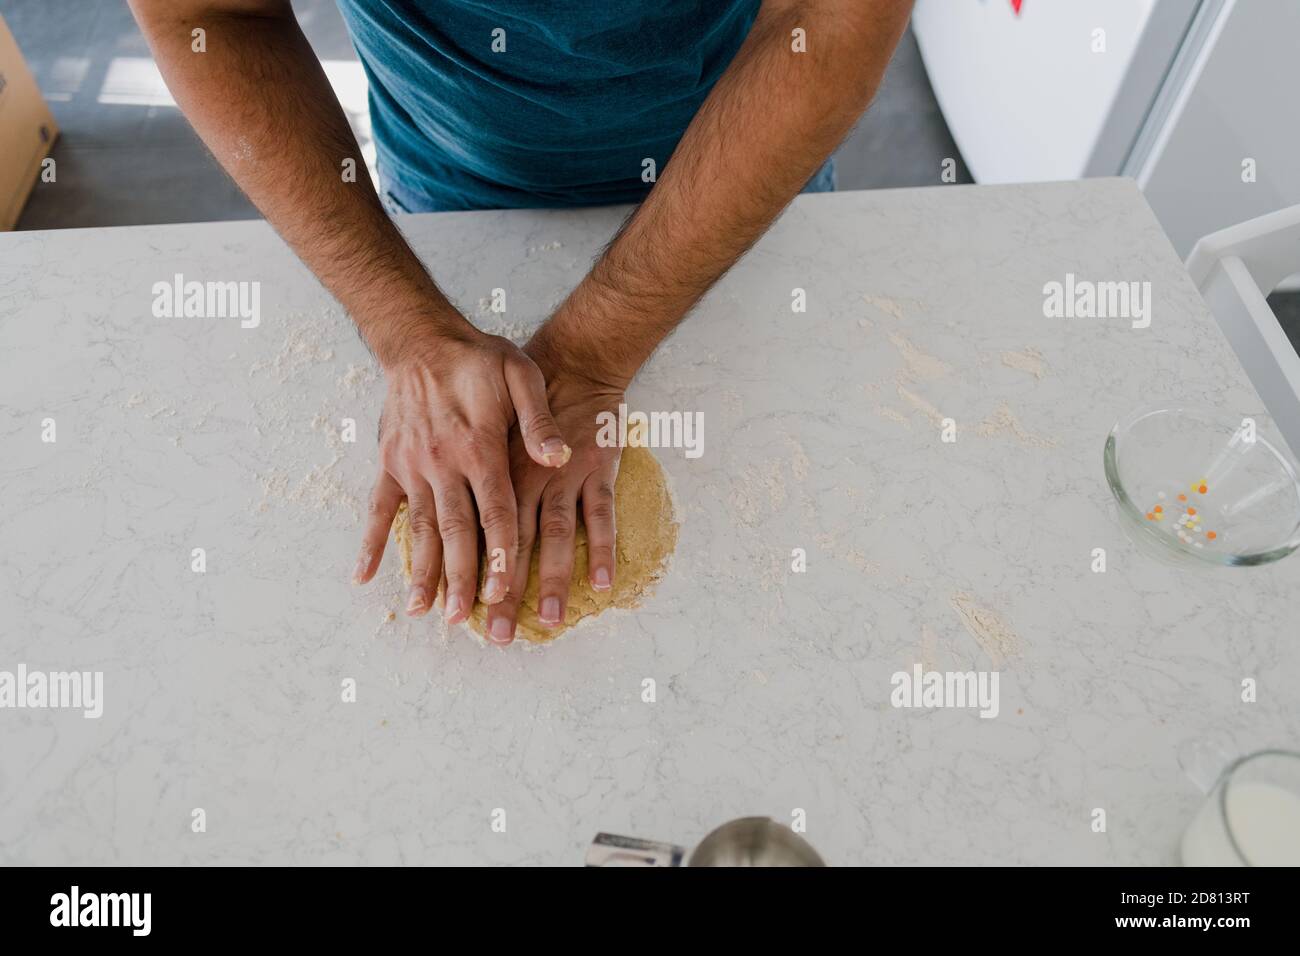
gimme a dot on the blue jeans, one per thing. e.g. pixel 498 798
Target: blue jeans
pixel 398 199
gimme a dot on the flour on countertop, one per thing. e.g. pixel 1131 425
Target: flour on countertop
pixel 991 633
pixel 773 482
pixel 517 332
pixel 359 380
pixel 301 462
pixel 799 464
pixel 292 433
pixel 744 496
pixel 829 543
pixel 859 560
pixel 307 344
pixel 766 479
pixel 888 306
pixel 318 490
pixel 185 419
pixel 1030 360
pixel 893 415
pixel 386 616
pixel 929 646
pixel 1003 420
pixel 918 364
pixel 920 404
pixel 332 432
pixel 496 323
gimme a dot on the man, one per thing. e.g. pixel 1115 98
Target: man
pixel 508 103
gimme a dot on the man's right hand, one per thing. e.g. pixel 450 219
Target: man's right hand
pixel 452 400
pixel 261 101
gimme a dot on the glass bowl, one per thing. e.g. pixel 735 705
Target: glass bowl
pixel 1199 486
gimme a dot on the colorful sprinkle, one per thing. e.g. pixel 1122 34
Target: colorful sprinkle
pixel 1189 521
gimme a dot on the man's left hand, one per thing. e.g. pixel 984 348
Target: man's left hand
pixel 548 500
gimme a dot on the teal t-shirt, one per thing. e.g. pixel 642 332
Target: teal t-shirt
pixel 478 104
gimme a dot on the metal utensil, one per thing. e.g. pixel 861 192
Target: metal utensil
pixel 748 841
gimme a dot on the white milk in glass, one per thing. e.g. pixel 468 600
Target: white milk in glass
pixel 1264 818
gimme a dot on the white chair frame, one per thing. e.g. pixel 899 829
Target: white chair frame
pixel 1235 269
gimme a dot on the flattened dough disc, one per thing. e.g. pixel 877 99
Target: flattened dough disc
pixel 647 535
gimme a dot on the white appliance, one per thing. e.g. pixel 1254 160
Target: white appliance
pixel 1195 99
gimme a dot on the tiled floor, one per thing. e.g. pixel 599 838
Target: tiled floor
pixel 127 156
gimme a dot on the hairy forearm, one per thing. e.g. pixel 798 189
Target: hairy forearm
pixel 261 102
pixel 767 125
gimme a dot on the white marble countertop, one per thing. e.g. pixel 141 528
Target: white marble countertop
pixel 222 690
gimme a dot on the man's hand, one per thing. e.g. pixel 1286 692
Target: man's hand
pixel 451 402
pixel 548 498
pixel 261 101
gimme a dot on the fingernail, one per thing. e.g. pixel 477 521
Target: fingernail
pixel 556 453
pixel 453 607
pixel 601 582
pixel 550 611
pixel 500 630
pixel 363 565
pixel 418 600
pixel 493 591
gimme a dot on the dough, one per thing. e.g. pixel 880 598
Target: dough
pixel 647 535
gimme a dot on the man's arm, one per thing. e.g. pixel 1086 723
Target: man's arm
pixel 261 102
pixel 768 124
pixel 258 97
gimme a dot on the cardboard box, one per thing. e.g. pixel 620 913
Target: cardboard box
pixel 27 130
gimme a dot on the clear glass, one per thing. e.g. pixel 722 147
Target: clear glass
pixel 1199 486
pixel 1251 817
